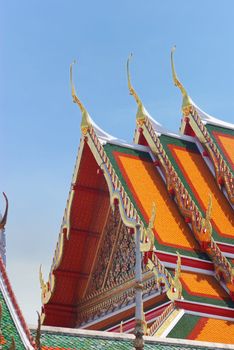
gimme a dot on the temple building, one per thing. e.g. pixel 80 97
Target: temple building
pixel 146 244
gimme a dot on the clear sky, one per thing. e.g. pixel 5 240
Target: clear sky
pixel 40 126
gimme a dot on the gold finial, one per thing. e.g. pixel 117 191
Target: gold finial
pixel 209 208
pixel 44 286
pixel 148 233
pixel 178 266
pixel 175 291
pixel 42 282
pixel 12 346
pixel 153 216
pixel 186 99
pixel 206 224
pixel 85 122
pixel 38 333
pixel 140 117
pixel 4 218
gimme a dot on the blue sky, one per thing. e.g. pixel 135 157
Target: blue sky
pixel 40 124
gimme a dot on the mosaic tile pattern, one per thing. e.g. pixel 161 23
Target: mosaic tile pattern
pixel 8 328
pixel 62 341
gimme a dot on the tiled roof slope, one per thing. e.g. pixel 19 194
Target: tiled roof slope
pixel 189 193
pixel 224 140
pixel 144 186
pixel 61 339
pixel 203 329
pixel 199 182
pixel 204 289
pixel 12 323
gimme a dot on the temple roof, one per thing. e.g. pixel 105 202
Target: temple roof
pixel 190 257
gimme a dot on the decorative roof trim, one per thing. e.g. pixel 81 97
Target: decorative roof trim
pixel 14 308
pixel 85 121
pixel 186 99
pixel 4 218
pixel 187 206
pixel 161 319
pixel 119 336
pixel 223 173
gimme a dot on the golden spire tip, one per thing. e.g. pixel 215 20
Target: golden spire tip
pixel 85 122
pixel 130 87
pixel 186 100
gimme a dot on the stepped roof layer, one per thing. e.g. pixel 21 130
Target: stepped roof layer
pixel 12 323
pixel 144 185
pixel 203 329
pixel 199 181
pixel 204 289
pixel 224 140
pixel 62 339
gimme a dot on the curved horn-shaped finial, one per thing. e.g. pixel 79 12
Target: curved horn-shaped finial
pixel 4 218
pixel 148 233
pixel 12 346
pixel 42 282
pixel 178 266
pixel 130 87
pixel 140 116
pixel 85 123
pixel 209 208
pixel 74 95
pixel 153 216
pixel 38 332
pixel 186 100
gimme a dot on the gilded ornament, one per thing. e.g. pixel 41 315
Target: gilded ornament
pixel 4 218
pixel 175 291
pixel 44 286
pixel 85 122
pixel 186 105
pixel 148 233
pixel 140 116
pixel 206 224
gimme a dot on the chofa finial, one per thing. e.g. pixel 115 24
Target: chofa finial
pixel 130 87
pixel 148 232
pixel 85 122
pixel 4 218
pixel 206 222
pixel 140 116
pixel 186 99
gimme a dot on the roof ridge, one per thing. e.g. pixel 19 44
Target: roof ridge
pixel 14 302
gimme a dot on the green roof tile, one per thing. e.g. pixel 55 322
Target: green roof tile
pixel 8 327
pixel 57 340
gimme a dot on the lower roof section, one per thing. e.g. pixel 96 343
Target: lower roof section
pixel 203 329
pixel 204 289
pixel 224 139
pixel 62 338
pixel 199 181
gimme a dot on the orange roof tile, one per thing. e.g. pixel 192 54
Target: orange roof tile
pixel 147 187
pixel 226 142
pixel 202 183
pixel 213 330
pixel 202 285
